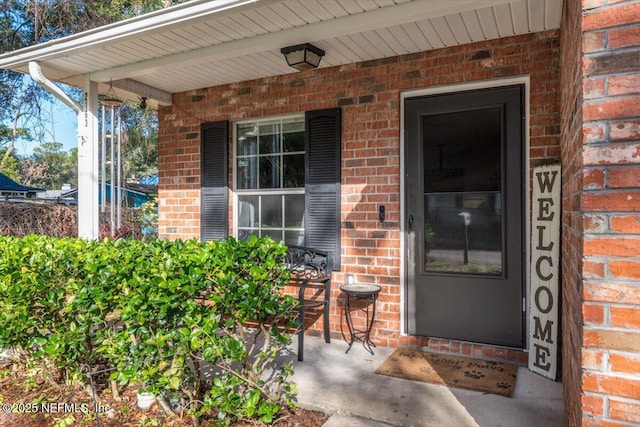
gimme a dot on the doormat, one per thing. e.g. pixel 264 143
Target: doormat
pixel 452 371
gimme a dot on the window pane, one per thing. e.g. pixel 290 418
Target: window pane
pixel 247 139
pixel 247 173
pixel 295 238
pixel 293 134
pixel 248 208
pixel 269 137
pixel 270 172
pixel 245 234
pixel 274 234
pixel 271 214
pixel 294 210
pixel 463 151
pixel 463 233
pixel 293 173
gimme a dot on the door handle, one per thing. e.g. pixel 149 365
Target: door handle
pixel 410 221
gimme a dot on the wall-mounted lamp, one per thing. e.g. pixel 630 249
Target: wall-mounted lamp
pixel 302 56
pixel 143 103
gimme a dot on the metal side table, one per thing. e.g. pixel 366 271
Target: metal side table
pixel 366 292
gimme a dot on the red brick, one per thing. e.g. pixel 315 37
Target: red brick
pixel 624 177
pixel 625 131
pixel 592 359
pixel 593 269
pixel 629 224
pixel 612 385
pixel 593 313
pixel 593 179
pixel 611 63
pixel 593 88
pixel 599 422
pixel 626 84
pixel 624 363
pixel 621 201
pixel 594 41
pixel 592 4
pixel 593 405
pixel 611 17
pixel 612 340
pixel 609 292
pixel 625 269
pixel 624 37
pixel 615 108
pixel 594 224
pixel 624 410
pixel 625 317
pixel 623 247
pixel 615 154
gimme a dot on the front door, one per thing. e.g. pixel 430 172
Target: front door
pixel 464 216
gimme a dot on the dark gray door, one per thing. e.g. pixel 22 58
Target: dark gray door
pixel 464 181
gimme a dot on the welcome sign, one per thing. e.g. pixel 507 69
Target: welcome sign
pixel 545 250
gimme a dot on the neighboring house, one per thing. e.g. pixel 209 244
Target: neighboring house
pixel 134 195
pixel 9 189
pixel 414 141
pixel 65 196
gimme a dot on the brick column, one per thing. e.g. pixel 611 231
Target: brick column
pixel 601 267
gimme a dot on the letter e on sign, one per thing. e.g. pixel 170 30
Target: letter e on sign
pixel 543 298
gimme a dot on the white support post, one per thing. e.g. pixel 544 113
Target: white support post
pixel 88 206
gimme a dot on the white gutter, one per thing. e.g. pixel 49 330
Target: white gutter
pixel 36 74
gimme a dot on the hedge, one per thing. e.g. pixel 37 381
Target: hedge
pixel 159 313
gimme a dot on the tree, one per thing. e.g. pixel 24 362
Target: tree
pixel 140 141
pixel 11 166
pixel 59 167
pixel 27 22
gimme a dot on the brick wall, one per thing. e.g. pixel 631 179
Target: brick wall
pixel 610 150
pixel 572 183
pixel 369 95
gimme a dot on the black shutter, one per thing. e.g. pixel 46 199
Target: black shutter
pixel 214 194
pixel 322 187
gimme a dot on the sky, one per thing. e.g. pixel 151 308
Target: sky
pixel 62 129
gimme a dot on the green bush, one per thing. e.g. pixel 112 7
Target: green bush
pixel 160 313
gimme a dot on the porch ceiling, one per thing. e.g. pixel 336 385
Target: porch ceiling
pixel 207 43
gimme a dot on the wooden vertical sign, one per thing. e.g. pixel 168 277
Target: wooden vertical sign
pixel 545 250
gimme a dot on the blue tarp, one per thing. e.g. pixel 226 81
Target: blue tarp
pixel 149 180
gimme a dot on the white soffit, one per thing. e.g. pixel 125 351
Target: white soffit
pixel 207 43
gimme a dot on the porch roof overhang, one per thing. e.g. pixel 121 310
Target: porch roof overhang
pixel 205 43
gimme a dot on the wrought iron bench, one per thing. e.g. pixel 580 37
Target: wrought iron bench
pixel 311 271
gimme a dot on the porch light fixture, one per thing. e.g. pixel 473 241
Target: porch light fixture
pixel 302 56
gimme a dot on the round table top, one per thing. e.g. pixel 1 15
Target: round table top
pixel 360 289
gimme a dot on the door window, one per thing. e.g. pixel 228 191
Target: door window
pixel 462 192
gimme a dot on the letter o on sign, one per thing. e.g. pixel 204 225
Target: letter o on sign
pixel 549 299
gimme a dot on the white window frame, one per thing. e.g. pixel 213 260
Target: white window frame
pixel 261 191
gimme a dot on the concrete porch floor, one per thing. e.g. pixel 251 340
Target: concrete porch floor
pixel 346 387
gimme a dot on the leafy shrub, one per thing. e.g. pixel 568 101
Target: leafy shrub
pixel 163 314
